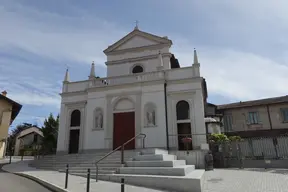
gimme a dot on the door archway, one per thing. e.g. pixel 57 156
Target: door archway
pixel 123 122
pixel 183 125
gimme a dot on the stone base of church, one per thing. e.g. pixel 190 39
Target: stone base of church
pixel 194 157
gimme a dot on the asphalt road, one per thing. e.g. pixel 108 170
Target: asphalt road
pixel 10 182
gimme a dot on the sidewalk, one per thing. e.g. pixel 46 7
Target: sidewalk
pixel 56 180
pixel 15 159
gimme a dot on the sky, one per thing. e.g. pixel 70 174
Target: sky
pixel 242 45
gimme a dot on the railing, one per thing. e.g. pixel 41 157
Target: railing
pixel 150 76
pixel 122 151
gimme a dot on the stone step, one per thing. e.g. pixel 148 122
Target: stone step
pixel 171 171
pixel 88 155
pixel 190 183
pixel 78 162
pixel 92 171
pixel 153 151
pixel 82 159
pixel 155 163
pixel 155 157
pixel 85 168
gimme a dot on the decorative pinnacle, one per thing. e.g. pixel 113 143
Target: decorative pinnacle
pixel 136 25
pixel 92 71
pixel 195 57
pixel 67 76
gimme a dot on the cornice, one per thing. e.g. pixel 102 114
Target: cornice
pixel 138 49
pixel 184 80
pixel 127 85
pixel 175 93
pixel 123 61
pixel 76 93
pixel 124 93
pixel 75 104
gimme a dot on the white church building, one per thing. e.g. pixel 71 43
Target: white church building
pixel 145 91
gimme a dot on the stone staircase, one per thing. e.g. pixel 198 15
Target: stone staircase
pixel 79 163
pixel 155 168
pixel 152 168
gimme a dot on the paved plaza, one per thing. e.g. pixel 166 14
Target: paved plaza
pixel 219 180
pixel 223 180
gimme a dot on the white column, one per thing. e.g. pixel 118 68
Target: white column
pixel 200 129
pixel 62 132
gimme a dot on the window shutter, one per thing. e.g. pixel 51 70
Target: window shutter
pixel 258 118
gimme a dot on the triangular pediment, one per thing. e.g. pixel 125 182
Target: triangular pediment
pixel 137 39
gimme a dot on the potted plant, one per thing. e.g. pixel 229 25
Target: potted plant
pixel 187 141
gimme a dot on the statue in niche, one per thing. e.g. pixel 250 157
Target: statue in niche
pixel 150 117
pixel 99 120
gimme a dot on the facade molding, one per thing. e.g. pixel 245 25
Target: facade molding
pixel 135 59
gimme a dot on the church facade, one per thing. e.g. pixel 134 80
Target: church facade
pixel 145 91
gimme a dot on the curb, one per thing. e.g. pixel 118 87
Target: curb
pixel 50 186
pixel 44 183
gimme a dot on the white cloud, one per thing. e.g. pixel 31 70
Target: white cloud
pixel 238 75
pixel 236 67
pixel 81 38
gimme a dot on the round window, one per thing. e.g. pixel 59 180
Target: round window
pixel 137 69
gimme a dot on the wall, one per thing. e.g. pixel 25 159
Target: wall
pixel 125 68
pixel 5 118
pixel 94 138
pixel 192 93
pixel 276 116
pixel 240 117
pixel 156 136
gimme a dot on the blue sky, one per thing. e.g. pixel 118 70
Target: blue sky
pixel 242 45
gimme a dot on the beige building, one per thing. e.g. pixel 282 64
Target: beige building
pixel 9 109
pixel 28 138
pixel 265 117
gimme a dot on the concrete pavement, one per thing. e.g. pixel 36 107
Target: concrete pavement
pixel 219 180
pixel 223 180
pixel 10 182
pixel 56 180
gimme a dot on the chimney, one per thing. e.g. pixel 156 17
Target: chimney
pixel 4 93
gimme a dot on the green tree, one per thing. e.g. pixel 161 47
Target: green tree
pixel 50 134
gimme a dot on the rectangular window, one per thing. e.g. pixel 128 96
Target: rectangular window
pixel 228 123
pixel 35 139
pixel 284 113
pixel 253 118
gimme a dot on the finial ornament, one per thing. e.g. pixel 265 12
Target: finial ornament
pixel 136 24
pixel 67 76
pixel 195 57
pixel 92 71
pixel 67 67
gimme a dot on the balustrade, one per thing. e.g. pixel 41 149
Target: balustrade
pixel 128 79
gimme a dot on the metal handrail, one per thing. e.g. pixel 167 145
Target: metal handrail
pixel 122 151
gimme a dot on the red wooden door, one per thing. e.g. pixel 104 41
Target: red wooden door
pixel 124 129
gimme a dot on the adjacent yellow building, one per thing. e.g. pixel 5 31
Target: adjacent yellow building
pixel 9 109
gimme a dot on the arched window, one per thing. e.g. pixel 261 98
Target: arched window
pixel 137 69
pixel 182 109
pixel 75 118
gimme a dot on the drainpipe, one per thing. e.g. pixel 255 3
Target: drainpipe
pixel 269 117
pixel 166 116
